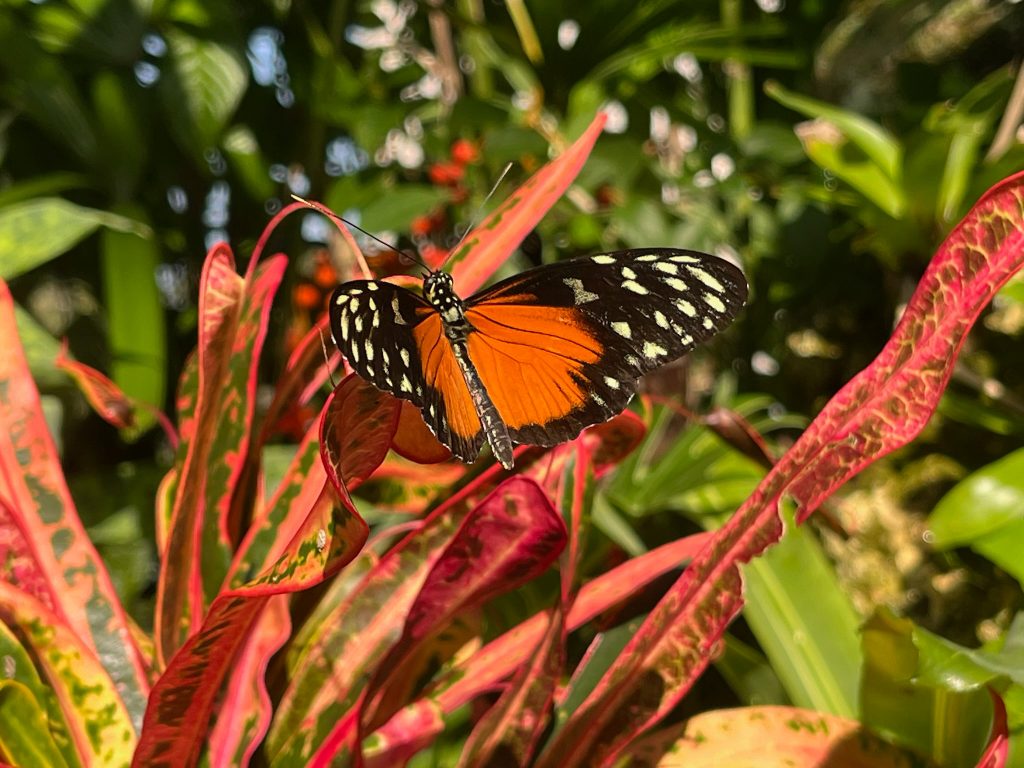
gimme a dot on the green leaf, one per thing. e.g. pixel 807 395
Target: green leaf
pixel 201 88
pixel 40 349
pixel 882 147
pixel 833 153
pixel 986 501
pixel 25 739
pixel 805 623
pixel 135 314
pixel 122 146
pixel 396 208
pixel 929 693
pixel 35 231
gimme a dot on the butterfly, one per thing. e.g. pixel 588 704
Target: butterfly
pixel 535 358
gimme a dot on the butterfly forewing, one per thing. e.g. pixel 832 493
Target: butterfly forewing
pixel 394 339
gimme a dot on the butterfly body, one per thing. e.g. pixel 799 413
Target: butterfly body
pixel 541 355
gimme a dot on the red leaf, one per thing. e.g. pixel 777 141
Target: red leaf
pixel 488 245
pixel 356 431
pixel 485 670
pixel 179 710
pixel 998 750
pixel 510 538
pixel 244 712
pixel 511 728
pixel 331 673
pixel 882 408
pixel 414 440
pixel 233 319
pixel 51 551
pixel 105 397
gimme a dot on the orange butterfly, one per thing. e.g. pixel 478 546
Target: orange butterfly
pixel 537 357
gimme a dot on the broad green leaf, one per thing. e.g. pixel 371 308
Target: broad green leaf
pixel 988 500
pixel 875 141
pixel 25 738
pixel 805 623
pixel 21 671
pixel 123 145
pixel 201 88
pixel 925 692
pixel 394 209
pixel 832 152
pixel 41 349
pixel 35 231
pixel 135 319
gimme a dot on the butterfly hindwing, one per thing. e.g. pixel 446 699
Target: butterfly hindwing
pixel 560 347
pixel 392 338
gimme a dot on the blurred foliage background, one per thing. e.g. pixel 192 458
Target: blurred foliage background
pixel 825 146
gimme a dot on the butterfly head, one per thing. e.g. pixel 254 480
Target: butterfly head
pixel 439 290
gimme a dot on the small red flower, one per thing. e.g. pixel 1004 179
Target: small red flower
pixel 465 152
pixel 306 296
pixel 422 226
pixel 325 275
pixel 446 174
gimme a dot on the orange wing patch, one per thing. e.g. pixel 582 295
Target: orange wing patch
pixel 442 373
pixel 530 359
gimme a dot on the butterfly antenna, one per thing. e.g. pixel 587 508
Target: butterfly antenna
pixel 331 214
pixel 476 217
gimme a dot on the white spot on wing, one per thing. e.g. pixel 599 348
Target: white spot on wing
pixel 341 299
pixel 660 319
pixel 343 323
pixel 707 278
pixel 354 304
pixel 372 303
pixel 406 386
pixel 375 322
pixel 371 286
pixel 597 399
pixel 676 284
pixel 399 320
pixel 359 323
pixel 580 295
pixel 708 323
pixel 622 329
pixel 714 302
pixel 685 307
pixel 612 383
pixel 369 350
pixel 628 273
pixel 648 257
pixel 684 259
pixel 603 259
pixel 667 267
pixel 652 350
pixel 635 287
pixel 355 353
pixel 404 354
